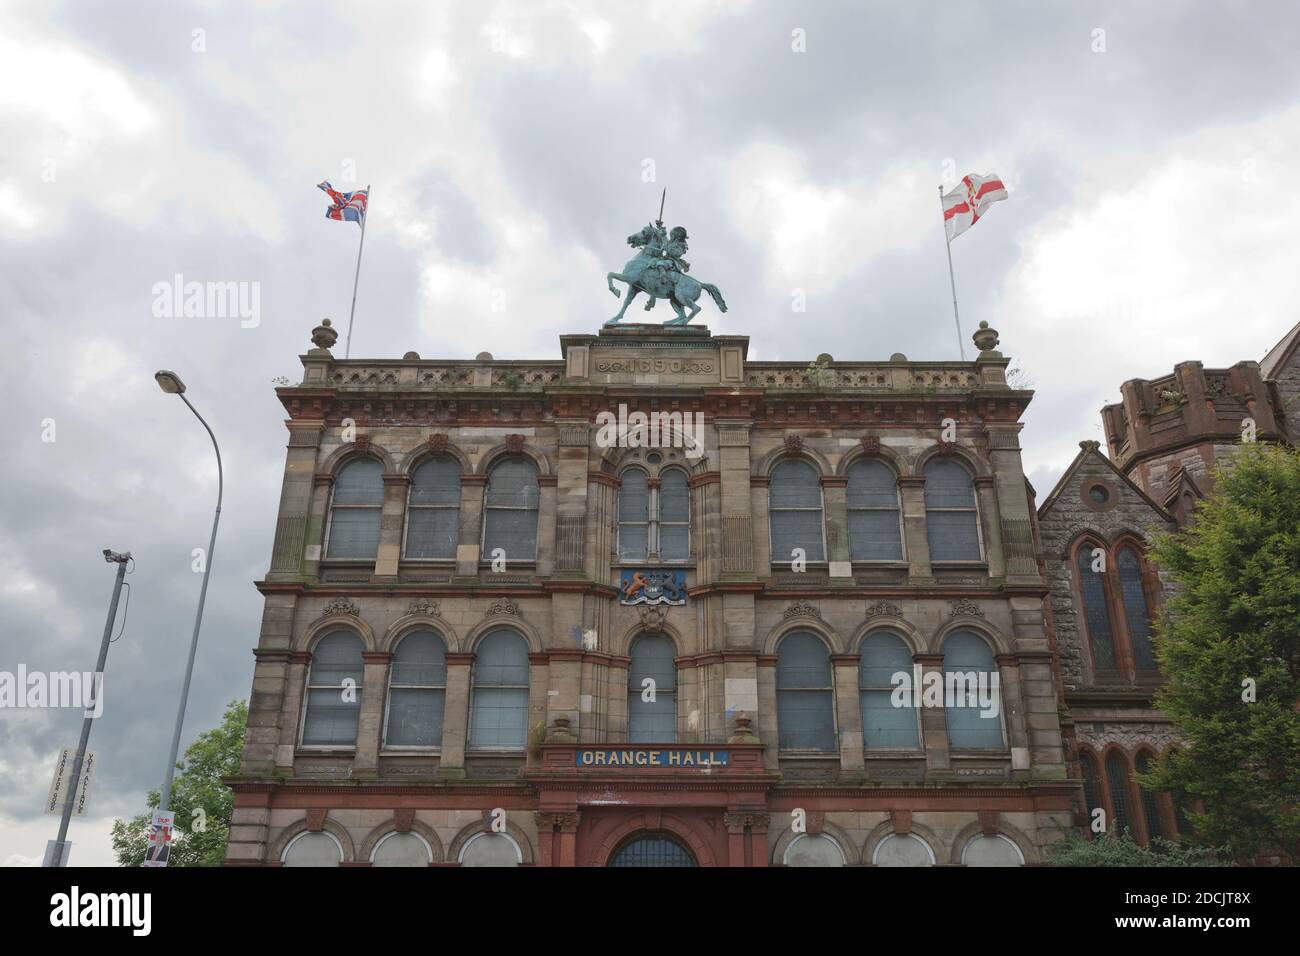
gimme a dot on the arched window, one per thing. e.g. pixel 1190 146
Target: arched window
pixel 992 850
pixel 1136 614
pixel 355 508
pixel 1091 784
pixel 433 509
pixel 634 516
pixel 903 849
pixel 499 697
pixel 1150 799
pixel 972 692
pixel 319 848
pixel 884 654
pixel 417 690
pixel 652 708
pixel 334 691
pixel 795 511
pixel 1117 780
pixel 809 849
pixel 652 850
pixel 805 698
pixel 874 529
pixel 674 516
pixel 401 849
pixel 1096 607
pixel 490 849
pixel 951 519
pixel 510 510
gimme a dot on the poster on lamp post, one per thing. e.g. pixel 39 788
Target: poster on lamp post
pixel 159 847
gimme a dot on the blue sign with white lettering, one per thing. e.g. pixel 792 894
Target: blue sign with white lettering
pixel 667 757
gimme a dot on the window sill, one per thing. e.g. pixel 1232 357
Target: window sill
pixel 399 751
pixel 322 750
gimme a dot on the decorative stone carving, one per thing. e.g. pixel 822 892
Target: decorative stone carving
pixel 438 442
pixel 884 607
pixel 503 606
pixel 802 609
pixel 985 338
pixel 793 444
pixel 964 607
pixel 652 616
pixel 324 335
pixel 871 444
pixel 341 606
pixel 514 444
pixel 363 443
pixel 423 608
pixel 947 447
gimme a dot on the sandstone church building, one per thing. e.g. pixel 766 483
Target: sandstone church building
pixel 499 631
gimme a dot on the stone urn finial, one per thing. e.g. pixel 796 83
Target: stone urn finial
pixel 743 733
pixel 324 335
pixel 560 732
pixel 986 339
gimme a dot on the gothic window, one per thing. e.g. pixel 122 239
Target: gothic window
pixel 951 518
pixel 884 654
pixel 805 697
pixel 510 510
pixel 499 695
pixel 433 509
pixel 1136 613
pixel 1117 780
pixel 795 511
pixel 652 708
pixel 1096 608
pixel 333 691
pixel 417 690
pixel 355 507
pixel 874 529
pixel 972 692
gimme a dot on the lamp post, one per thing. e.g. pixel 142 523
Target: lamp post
pixel 170 383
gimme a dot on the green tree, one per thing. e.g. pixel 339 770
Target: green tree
pixel 1110 850
pixel 202 803
pixel 1230 649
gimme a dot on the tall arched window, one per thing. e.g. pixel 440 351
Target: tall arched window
pixel 951 518
pixel 1136 614
pixel 433 509
pixel 674 515
pixel 795 511
pixel 1150 799
pixel 1096 608
pixel 874 529
pixel 634 515
pixel 417 691
pixel 1091 784
pixel 510 510
pixel 972 692
pixel 805 696
pixel 652 708
pixel 499 697
pixel 319 848
pixel 355 508
pixel 1117 781
pixel 884 654
pixel 334 691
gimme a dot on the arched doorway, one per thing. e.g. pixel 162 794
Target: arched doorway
pixel 652 849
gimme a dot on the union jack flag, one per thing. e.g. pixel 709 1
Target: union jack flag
pixel 348 207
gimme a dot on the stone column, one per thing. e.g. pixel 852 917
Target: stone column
pixel 835 501
pixel 758 486
pixel 1014 709
pixel 571 500
pixel 295 686
pixel 737 522
pixel 934 721
pixel 392 522
pixel 557 832
pixel 314 537
pixel 1014 507
pixel 546 485
pixel 370 722
pixel 471 526
pixel 564 690
pixel 455 718
pixel 767 727
pixel 740 683
pixel 539 682
pixel 848 713
pixel 287 553
pixel 602 490
pixel 990 525
pixel 912 492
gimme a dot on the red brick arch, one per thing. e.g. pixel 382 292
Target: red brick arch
pixel 651 821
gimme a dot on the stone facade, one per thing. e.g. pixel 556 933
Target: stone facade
pixel 748 801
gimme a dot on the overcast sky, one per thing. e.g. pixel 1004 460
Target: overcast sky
pixel 509 146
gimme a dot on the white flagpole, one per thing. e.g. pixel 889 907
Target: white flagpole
pixel 347 345
pixel 947 244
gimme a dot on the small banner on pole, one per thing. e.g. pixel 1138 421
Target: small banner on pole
pixel 159 847
pixel 62 773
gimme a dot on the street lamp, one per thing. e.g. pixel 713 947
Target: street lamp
pixel 171 383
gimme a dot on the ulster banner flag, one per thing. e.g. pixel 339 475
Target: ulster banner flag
pixel 964 206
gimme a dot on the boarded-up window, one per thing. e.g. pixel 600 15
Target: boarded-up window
pixel 1117 779
pixel 872 493
pixel 795 511
pixel 510 510
pixel 1136 614
pixel 433 510
pixel 633 515
pixel 805 699
pixel 1096 609
pixel 968 675
pixel 334 691
pixel 355 507
pixel 652 708
pixel 499 697
pixel 951 519
pixel 883 655
pixel 674 516
pixel 417 690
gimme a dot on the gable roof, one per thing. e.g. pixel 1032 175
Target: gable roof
pixel 1093 448
pixel 1279 354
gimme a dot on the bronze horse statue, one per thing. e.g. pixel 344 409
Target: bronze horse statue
pixel 655 271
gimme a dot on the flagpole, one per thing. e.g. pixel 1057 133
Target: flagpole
pixel 947 244
pixel 347 345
